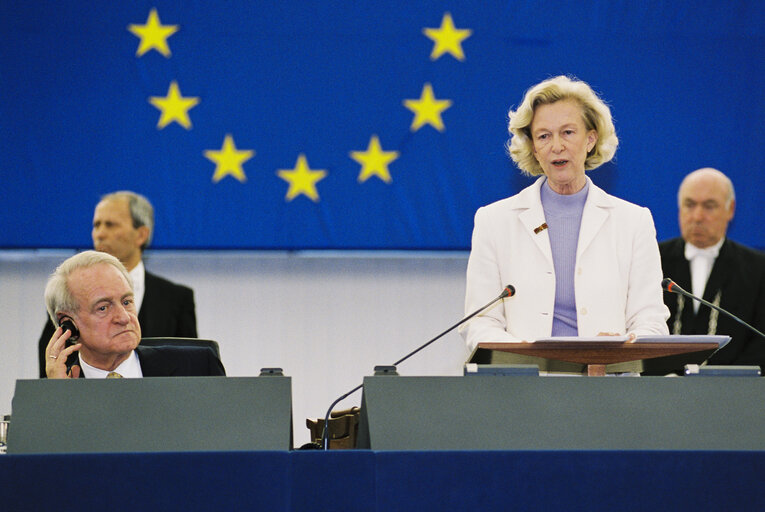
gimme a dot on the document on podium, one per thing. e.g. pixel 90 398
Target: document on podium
pixel 588 339
pixel 720 340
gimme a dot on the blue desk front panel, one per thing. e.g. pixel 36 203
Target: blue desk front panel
pixel 362 481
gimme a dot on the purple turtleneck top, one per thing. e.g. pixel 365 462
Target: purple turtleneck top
pixel 563 214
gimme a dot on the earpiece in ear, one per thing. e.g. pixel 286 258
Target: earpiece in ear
pixel 68 324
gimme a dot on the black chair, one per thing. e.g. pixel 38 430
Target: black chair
pixel 181 342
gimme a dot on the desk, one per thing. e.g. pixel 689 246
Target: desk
pixel 562 413
pixel 361 481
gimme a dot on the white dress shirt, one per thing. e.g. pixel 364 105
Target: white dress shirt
pixel 129 368
pixel 701 262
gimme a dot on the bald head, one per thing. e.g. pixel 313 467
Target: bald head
pixel 711 176
pixel 706 202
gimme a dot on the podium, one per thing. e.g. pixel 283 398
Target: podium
pixel 487 412
pixel 597 352
pixel 152 414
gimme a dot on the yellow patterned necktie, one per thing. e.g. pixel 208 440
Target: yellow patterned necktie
pixel 113 375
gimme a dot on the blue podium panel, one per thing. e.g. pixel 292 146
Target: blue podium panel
pixel 570 480
pixel 155 414
pixel 133 482
pixel 363 480
pixel 562 413
pixel 335 480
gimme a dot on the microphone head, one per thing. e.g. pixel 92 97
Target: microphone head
pixel 509 291
pixel 670 286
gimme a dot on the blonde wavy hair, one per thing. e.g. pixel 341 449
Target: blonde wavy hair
pixel 595 112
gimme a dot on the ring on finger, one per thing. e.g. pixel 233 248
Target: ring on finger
pixel 53 357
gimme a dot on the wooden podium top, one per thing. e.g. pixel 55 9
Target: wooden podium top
pixel 597 353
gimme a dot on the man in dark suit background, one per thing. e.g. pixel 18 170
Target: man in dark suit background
pixel 123 226
pixel 723 272
pixel 93 292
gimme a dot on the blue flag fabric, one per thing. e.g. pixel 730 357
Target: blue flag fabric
pixel 354 125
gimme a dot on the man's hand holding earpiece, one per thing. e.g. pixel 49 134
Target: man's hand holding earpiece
pixel 56 354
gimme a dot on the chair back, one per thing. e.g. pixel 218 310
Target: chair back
pixel 181 342
pixel 342 430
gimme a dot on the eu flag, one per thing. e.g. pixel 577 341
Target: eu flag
pixel 353 125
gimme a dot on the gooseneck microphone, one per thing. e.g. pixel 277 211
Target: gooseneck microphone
pixel 670 286
pixel 508 291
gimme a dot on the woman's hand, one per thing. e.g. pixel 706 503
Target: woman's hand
pixel 631 335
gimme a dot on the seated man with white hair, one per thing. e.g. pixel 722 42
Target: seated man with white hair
pixel 123 226
pixel 93 291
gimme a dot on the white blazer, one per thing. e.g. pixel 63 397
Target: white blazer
pixel 617 272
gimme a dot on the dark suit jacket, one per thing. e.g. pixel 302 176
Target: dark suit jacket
pixel 739 274
pixel 167 311
pixel 169 361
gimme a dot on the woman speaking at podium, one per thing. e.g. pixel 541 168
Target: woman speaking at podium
pixel 583 262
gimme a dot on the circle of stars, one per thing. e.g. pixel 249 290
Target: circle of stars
pixel 301 179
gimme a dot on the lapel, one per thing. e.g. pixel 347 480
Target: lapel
pixel 153 315
pixel 153 364
pixel 678 268
pixel 148 285
pixel 533 216
pixel 594 216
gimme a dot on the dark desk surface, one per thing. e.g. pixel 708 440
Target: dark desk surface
pixel 361 481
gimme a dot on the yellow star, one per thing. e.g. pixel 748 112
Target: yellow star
pixel 174 107
pixel 447 38
pixel 427 110
pixel 153 35
pixel 374 161
pixel 302 180
pixel 229 160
